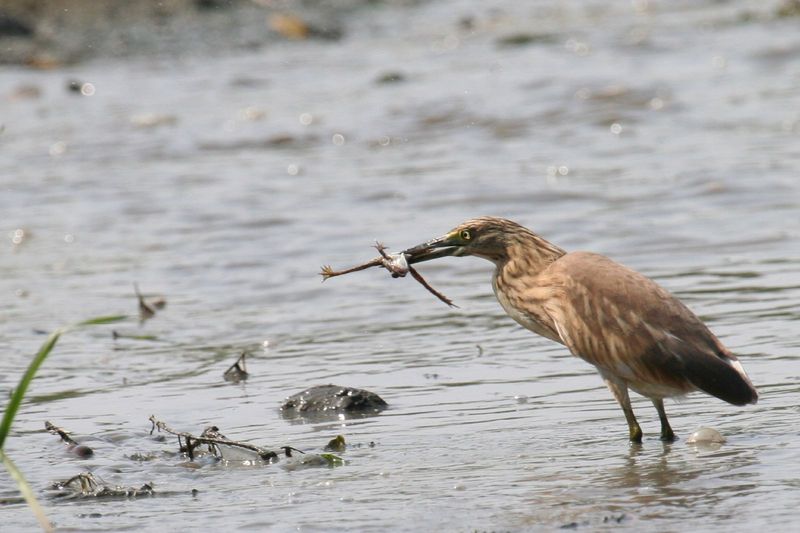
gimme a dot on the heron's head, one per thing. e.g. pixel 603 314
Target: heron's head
pixel 487 237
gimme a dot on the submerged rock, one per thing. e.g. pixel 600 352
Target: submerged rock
pixel 326 400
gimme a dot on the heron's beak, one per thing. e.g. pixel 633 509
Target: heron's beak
pixel 441 247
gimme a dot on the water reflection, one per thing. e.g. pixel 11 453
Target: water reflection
pixel 648 482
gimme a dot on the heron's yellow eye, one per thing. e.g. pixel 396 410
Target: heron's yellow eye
pixel 465 234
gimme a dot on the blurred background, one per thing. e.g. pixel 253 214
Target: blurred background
pixel 219 152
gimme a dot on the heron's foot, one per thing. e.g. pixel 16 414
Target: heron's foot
pixel 668 436
pixel 635 434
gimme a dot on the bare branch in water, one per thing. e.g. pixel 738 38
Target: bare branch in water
pixel 214 439
pixel 78 449
pixel 396 264
pixel 60 432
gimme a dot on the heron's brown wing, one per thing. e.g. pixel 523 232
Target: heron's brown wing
pixel 627 325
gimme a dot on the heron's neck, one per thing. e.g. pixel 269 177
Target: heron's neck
pixel 527 254
pixel 516 275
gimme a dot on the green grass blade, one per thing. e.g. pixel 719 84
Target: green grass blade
pixel 19 392
pixel 16 400
pixel 110 319
pixel 27 493
pixel 41 355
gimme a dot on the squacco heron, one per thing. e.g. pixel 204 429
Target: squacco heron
pixel 637 335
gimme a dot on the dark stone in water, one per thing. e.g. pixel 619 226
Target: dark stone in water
pixel 332 400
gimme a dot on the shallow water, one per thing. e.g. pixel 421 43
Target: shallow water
pixel 665 136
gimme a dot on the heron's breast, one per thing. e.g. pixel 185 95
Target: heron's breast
pixel 523 312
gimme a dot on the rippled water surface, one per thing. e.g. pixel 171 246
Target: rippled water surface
pixel 664 135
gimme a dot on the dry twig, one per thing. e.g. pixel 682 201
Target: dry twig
pixel 78 449
pixel 214 439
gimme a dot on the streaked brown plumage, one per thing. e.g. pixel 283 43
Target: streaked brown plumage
pixel 636 334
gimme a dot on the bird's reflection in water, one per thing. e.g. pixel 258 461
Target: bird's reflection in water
pixel 645 482
pixel 674 465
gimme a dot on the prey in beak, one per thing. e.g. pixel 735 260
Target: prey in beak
pixel 445 246
pixel 399 264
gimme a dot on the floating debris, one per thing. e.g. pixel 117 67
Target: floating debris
pixel 314 460
pixel 148 308
pixel 43 61
pixel 523 39
pixel 216 443
pixel 323 401
pixel 336 444
pixel 25 92
pixel 142 457
pixel 290 26
pixel 396 264
pixel 237 371
pixel 277 141
pixel 87 485
pixel 77 449
pixel 223 448
pixel 617 518
pixel 390 77
pixel 152 120
pixel 117 335
pixel 287 451
pixel 295 28
pixel 788 8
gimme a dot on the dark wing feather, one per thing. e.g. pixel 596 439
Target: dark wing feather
pixel 629 327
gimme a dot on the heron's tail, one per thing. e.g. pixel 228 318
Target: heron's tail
pixel 721 375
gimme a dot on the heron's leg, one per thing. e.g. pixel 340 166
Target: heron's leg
pixel 666 432
pixel 620 392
